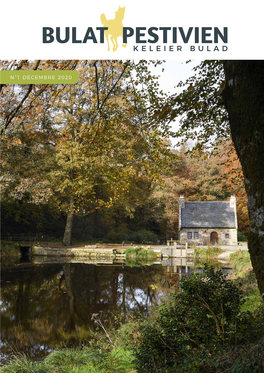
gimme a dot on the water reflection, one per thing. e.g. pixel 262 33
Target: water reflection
pixel 49 305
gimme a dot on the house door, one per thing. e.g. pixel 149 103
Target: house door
pixel 214 238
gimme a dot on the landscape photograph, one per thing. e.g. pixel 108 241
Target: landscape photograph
pixel 132 216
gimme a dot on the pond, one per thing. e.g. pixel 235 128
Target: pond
pixel 49 305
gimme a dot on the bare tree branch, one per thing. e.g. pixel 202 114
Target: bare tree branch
pixel 15 111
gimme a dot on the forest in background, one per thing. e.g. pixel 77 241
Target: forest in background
pixel 93 161
pixel 199 176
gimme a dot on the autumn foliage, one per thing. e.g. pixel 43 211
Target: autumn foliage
pixel 99 151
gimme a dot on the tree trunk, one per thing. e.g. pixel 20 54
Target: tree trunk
pixel 244 100
pixel 67 238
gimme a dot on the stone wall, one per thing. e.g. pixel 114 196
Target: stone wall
pixel 72 252
pixel 174 252
pixel 225 236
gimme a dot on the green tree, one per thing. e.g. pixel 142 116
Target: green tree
pixel 103 139
pixel 195 323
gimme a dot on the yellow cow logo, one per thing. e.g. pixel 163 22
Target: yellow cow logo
pixel 115 27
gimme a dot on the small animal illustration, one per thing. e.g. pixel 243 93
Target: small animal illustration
pixel 115 27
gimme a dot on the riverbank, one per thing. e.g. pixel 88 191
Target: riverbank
pixel 100 355
pixel 110 250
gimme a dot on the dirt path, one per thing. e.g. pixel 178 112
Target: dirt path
pixel 224 256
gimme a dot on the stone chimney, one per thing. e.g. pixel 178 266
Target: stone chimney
pixel 232 201
pixel 181 205
pixel 233 205
pixel 181 202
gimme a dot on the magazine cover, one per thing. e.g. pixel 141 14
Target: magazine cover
pixel 132 186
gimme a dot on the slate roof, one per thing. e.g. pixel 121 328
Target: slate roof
pixel 208 215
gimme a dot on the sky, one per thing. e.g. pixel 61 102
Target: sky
pixel 174 72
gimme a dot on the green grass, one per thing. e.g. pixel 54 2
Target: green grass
pixel 240 261
pixel 85 360
pixel 21 364
pixel 252 301
pixel 208 252
pixel 139 255
pixel 73 357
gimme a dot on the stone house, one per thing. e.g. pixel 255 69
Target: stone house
pixel 210 222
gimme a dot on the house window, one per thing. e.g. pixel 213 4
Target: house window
pixel 227 235
pixel 196 235
pixel 189 235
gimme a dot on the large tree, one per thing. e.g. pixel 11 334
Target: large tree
pixel 103 139
pixel 243 96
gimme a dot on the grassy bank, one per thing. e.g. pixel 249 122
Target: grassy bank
pixel 240 261
pixel 99 357
pixel 214 335
pixel 245 277
pixel 207 255
pixel 222 331
pixel 140 255
pixel 86 360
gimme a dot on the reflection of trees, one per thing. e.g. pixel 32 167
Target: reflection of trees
pixel 52 305
pixel 113 290
pixel 22 300
pixel 68 281
pixel 25 324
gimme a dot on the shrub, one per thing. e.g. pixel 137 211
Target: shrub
pixel 241 237
pixel 139 255
pixel 199 321
pixel 119 360
pixel 9 249
pixel 142 236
